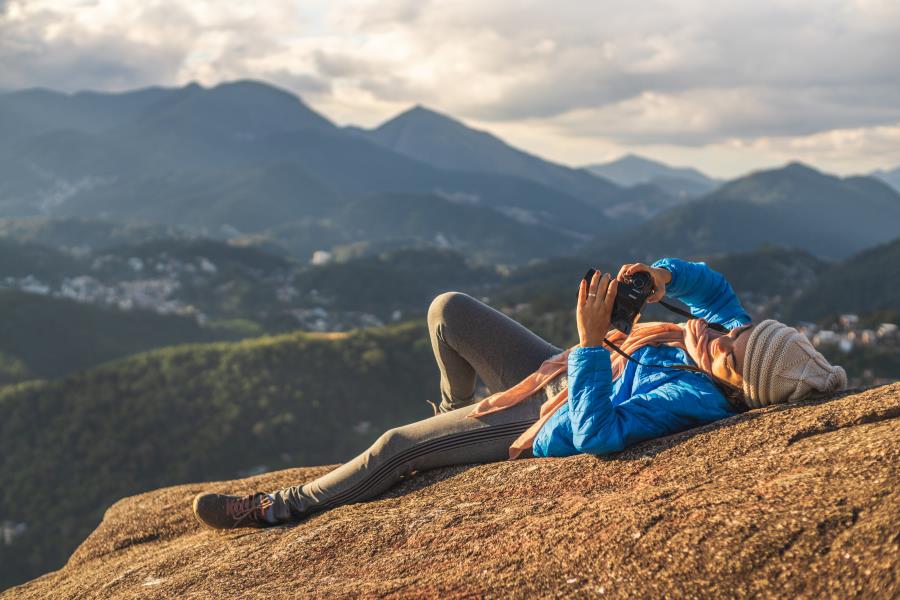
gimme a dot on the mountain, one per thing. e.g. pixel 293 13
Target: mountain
pixel 218 125
pixel 244 157
pixel 798 500
pixel 863 283
pixel 195 412
pixel 53 337
pixel 629 170
pixel 248 160
pixel 446 143
pixel 891 177
pixel 794 206
pixel 357 168
pixel 246 198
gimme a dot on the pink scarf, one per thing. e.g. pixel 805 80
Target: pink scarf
pixel 694 337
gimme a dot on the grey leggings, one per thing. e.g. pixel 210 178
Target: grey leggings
pixel 468 338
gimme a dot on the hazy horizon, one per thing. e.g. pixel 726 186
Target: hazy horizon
pixel 726 89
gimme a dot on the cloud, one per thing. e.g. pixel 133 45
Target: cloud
pixel 118 44
pixel 838 147
pixel 691 73
pixel 695 71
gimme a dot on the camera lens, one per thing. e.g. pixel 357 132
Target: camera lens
pixel 640 280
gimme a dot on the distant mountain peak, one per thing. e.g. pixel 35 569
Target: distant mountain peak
pixel 637 158
pixel 422 115
pixel 251 87
pixel 419 109
pixel 799 167
pixel 632 159
pixel 632 169
pixel 247 106
pixel 429 136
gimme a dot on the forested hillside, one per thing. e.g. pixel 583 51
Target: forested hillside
pixel 864 283
pixel 52 337
pixel 195 413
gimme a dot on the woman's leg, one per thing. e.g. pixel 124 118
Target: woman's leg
pixel 445 439
pixel 469 337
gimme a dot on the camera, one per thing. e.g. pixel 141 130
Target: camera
pixel 631 294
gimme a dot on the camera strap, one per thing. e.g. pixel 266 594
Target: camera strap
pixel 716 326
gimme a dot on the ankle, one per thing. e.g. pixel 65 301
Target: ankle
pixel 280 511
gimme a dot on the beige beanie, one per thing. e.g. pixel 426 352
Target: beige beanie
pixel 781 365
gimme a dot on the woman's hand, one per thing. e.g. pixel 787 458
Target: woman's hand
pixel 594 311
pixel 660 276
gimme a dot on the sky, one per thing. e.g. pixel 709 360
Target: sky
pixel 727 87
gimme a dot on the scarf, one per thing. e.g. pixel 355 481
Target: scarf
pixel 695 337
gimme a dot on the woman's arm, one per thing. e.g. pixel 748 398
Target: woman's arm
pixel 706 292
pixel 599 427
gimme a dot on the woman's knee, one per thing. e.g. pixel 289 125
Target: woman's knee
pixel 392 441
pixel 445 305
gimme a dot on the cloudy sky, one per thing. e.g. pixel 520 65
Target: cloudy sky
pixel 724 86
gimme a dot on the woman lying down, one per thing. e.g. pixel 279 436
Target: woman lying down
pixel 547 401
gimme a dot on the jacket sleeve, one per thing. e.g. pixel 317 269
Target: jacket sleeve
pixel 706 292
pixel 599 427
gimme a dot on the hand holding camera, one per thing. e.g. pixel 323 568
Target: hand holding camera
pixel 661 277
pixel 596 297
pixel 604 302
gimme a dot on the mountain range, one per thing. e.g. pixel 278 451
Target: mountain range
pixel 446 143
pixel 795 206
pixel 630 170
pixel 246 159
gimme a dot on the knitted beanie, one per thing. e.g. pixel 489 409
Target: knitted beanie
pixel 782 365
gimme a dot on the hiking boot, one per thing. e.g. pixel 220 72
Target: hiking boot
pixel 221 511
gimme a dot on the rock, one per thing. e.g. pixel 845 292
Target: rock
pixel 796 500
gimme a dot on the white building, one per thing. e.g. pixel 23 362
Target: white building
pixel 321 257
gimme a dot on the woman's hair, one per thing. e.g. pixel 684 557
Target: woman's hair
pixel 734 395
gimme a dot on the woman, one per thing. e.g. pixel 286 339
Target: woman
pixel 550 402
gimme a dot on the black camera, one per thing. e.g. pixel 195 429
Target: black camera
pixel 631 294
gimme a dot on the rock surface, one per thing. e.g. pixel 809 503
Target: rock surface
pixel 798 500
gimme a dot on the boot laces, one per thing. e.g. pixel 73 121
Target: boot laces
pixel 251 507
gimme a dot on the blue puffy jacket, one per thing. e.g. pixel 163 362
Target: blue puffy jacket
pixel 602 416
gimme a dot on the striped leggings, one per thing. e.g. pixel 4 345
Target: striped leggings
pixel 469 338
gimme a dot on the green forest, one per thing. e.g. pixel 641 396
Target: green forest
pixel 73 446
